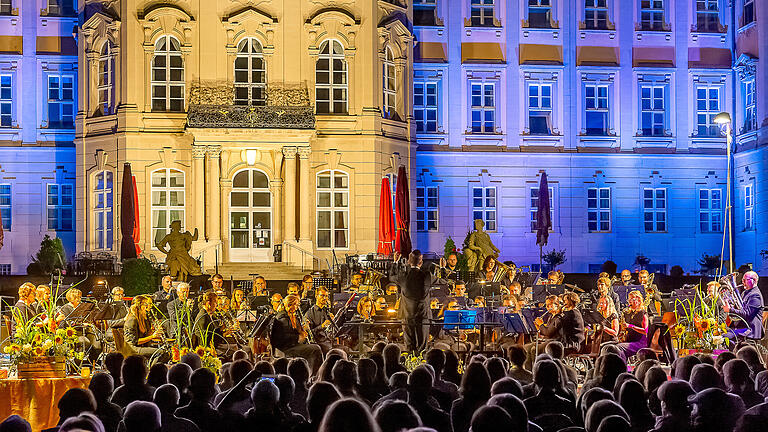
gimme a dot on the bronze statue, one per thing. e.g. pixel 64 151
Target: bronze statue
pixel 478 247
pixel 180 263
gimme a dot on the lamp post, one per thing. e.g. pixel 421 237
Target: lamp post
pixel 725 119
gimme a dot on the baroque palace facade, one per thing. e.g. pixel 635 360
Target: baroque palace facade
pixel 272 122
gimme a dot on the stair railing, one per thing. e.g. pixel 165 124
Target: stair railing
pixel 287 246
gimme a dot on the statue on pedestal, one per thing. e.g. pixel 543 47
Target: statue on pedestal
pixel 478 247
pixel 180 263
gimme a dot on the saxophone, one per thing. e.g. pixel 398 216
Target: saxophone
pixel 649 292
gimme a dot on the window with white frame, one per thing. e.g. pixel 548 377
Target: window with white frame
pixel 6 101
pixel 60 206
pixel 393 191
pixel 711 210
pixel 426 208
pixel 748 12
pixel 596 14
pixel 749 207
pixel 250 73
pixel 596 105
pixel 332 209
pixel 61 101
pixel 484 202
pixel 6 201
pixel 539 108
pixel 167 75
pixel 599 209
pixel 5 269
pixel 425 106
pixel 540 13
pixel 61 7
pixel 483 107
pixel 167 201
pixel 707 19
pixel 102 192
pixel 481 13
pixel 389 85
pixel 533 196
pixel 655 209
pixel 750 108
pixel 652 14
pixel 6 7
pixel 652 110
pixel 425 12
pixel 331 86
pixel 106 84
pixel 707 108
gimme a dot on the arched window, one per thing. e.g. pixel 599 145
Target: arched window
pixel 102 199
pixel 106 85
pixel 331 79
pixel 250 74
pixel 389 85
pixel 167 75
pixel 332 209
pixel 167 201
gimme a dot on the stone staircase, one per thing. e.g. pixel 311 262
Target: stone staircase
pixel 274 271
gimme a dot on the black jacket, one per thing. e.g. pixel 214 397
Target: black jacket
pixel 283 336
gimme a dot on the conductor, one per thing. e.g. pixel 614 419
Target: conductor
pixel 414 283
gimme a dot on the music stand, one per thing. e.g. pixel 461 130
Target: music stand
pixel 624 290
pixel 592 317
pixel 541 292
pixel 459 319
pixel 513 323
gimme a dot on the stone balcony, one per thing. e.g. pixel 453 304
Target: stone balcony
pixel 248 116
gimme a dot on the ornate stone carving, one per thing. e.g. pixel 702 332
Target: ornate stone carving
pixel 243 116
pixel 171 20
pixel 304 152
pixel 211 92
pixel 290 151
pixel 98 29
pixel 332 23
pixel 250 22
pixel 287 95
pixel 198 152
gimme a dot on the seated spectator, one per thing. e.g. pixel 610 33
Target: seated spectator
pixel 675 409
pixel 515 408
pixel 761 383
pixel 134 386
pixel 589 398
pixel 714 410
pixel 451 370
pixel 392 364
pixel 517 357
pixel 556 350
pixel 491 418
pixel 344 376
pixel 199 410
pixel 324 373
pixel 475 391
pixel 298 370
pixel 110 414
pixel 683 366
pixel 620 380
pixel 644 354
pixel 281 365
pixel 613 423
pixel 737 381
pixel 158 375
pixel 642 368
pixel 238 397
pixel 348 415
pixel 722 359
pixel 264 367
pixel 546 378
pixel 15 423
pixel 420 384
pixel 599 411
pixel 654 378
pixel 85 422
pixel 113 362
pixel 496 367
pixel 394 416
pixel 179 375
pixel 444 391
pixel 74 402
pixel 632 398
pixel 507 385
pixel 705 376
pixel 264 414
pixel 366 380
pixel 382 384
pixel 290 419
pixel 141 416
pixel 166 398
pixel 193 360
pixel 750 355
pixel 320 397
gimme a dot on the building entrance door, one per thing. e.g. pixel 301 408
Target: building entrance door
pixel 250 217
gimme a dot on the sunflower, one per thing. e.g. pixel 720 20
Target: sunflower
pixel 212 351
pixel 58 340
pixel 15 347
pixel 70 332
pixel 200 351
pixel 184 351
pixel 38 351
pixel 37 338
pixel 175 354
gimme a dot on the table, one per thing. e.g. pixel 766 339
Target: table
pixel 36 399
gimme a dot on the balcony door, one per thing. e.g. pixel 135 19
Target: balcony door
pixel 250 217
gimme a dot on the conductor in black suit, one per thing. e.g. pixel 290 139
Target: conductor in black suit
pixel 414 283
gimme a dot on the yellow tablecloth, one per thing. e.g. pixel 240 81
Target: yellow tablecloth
pixel 36 399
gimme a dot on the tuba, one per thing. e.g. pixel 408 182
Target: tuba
pixel 503 270
pixel 729 291
pixel 372 283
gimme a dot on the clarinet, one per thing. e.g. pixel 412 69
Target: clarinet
pixel 300 317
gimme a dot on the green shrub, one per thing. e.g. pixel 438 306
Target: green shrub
pixel 139 277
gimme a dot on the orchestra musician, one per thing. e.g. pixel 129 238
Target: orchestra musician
pixel 259 290
pixel 450 271
pixel 604 290
pixel 42 300
pixel 276 303
pixel 609 329
pixel 141 335
pixel 488 269
pixel 319 318
pixel 751 312
pixel 652 291
pixel 515 289
pixel 626 278
pixel 238 300
pixel 292 289
pixel 552 304
pixel 479 302
pixel 181 310
pixel 366 309
pixel 306 286
pixel 568 325
pixel 165 293
pixel 217 283
pixel 207 331
pixel 118 310
pixel 712 302
pixel 290 336
pixel 459 289
pixel 636 325
pixel 415 283
pixel 354 282
pixel 25 308
pixel 555 277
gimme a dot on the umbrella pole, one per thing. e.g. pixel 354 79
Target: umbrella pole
pixel 541 248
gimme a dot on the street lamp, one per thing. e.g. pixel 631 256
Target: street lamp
pixel 725 119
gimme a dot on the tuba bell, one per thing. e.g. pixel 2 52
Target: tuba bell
pixel 503 270
pixel 729 291
pixel 372 283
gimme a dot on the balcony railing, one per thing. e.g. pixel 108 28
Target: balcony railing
pixel 245 116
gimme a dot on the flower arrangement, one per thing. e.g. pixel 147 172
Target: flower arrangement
pixel 208 356
pixel 698 327
pixel 412 361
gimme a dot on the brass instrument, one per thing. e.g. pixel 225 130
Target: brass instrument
pixel 372 283
pixel 503 270
pixel 729 291
pixel 615 280
pixel 649 291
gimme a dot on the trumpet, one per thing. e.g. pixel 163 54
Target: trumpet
pixel 729 291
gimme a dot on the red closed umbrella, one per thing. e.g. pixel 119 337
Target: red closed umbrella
pixel 386 224
pixel 402 213
pixel 127 214
pixel 136 227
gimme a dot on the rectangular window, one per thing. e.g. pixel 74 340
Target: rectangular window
pixel 483 108
pixel 61 7
pixel 167 202
pixel 707 19
pixel 534 199
pixel 5 269
pixel 425 12
pixel 652 14
pixel 6 101
pixel 707 107
pixel 61 102
pixel 540 13
pixel 332 209
pixel 655 209
pixel 484 206
pixel 482 13
pixel 6 7
pixel 748 12
pixel 60 206
pixel 103 211
pixel 750 109
pixel 426 208
pixel 540 109
pixel 711 210
pixel 425 106
pixel 596 98
pixel 599 209
pixel 596 14
pixel 652 110
pixel 749 207
pixel 5 206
